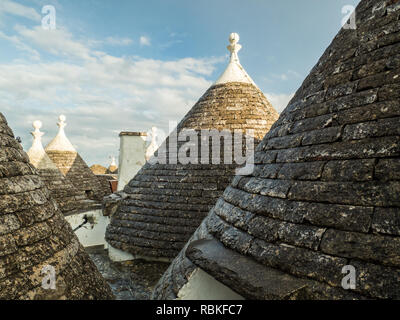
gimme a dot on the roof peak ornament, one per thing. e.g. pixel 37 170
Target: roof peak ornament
pixel 37 134
pixel 234 72
pixel 234 47
pixel 113 161
pixel 62 124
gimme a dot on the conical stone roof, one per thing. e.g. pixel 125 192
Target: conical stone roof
pixel 69 162
pixel 324 199
pixel 69 199
pixel 166 202
pixel 98 169
pixel 35 239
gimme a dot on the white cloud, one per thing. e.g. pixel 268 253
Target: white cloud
pixel 59 42
pixel 14 8
pixel 112 41
pixel 99 93
pixel 284 76
pixel 115 41
pixel 21 45
pixel 144 41
pixel 279 101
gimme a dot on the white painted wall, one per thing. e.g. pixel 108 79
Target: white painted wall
pixel 202 286
pixel 132 154
pixel 92 233
pixel 117 255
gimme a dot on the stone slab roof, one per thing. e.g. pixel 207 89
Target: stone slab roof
pixel 34 234
pixel 325 193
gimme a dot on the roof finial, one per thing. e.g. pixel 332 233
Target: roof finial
pixel 234 72
pixel 234 46
pixel 37 134
pixel 62 124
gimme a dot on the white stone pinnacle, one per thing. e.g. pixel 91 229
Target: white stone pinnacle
pixel 234 72
pixel 113 162
pixel 61 142
pixel 62 123
pixel 37 135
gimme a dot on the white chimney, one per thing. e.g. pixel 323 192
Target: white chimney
pixel 132 156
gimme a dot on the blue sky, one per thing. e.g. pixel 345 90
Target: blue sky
pixel 128 65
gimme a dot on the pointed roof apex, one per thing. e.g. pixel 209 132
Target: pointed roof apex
pixel 37 135
pixel 61 142
pixel 112 168
pixel 113 162
pixel 37 155
pixel 234 72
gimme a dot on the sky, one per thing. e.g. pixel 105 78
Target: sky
pixel 127 65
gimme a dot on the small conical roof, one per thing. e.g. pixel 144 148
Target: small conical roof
pixel 322 206
pixel 70 163
pixel 167 201
pixel 36 242
pixel 98 169
pixel 69 199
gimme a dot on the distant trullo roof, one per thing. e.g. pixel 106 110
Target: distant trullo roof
pixel 69 199
pixel 35 239
pixel 69 162
pixel 98 169
pixel 324 198
pixel 167 202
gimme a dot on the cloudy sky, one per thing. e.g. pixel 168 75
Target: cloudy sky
pixel 115 65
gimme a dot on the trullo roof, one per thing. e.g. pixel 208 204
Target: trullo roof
pixel 70 163
pixel 166 202
pixel 324 200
